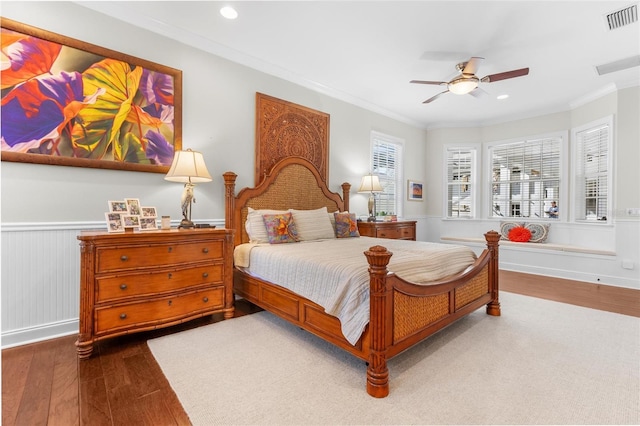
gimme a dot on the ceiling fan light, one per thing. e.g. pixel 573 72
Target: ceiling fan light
pixel 229 12
pixel 462 86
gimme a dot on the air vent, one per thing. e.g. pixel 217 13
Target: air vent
pixel 622 17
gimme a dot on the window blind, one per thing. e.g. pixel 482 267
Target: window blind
pixel 387 165
pixel 592 173
pixel 460 184
pixel 525 177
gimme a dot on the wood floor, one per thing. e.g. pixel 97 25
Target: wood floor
pixel 121 384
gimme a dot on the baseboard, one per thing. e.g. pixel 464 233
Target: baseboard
pixel 25 336
pixel 608 298
pixel 570 275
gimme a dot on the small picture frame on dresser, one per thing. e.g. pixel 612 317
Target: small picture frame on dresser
pixel 148 212
pixel 131 221
pixel 133 206
pixel 119 206
pixel 114 222
pixel 148 224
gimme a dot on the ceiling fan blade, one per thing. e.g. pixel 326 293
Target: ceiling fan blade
pixel 433 98
pixel 472 65
pixel 505 75
pixel 438 83
pixel 478 93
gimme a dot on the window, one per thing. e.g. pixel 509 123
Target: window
pixel 386 163
pixel 525 177
pixel 592 183
pixel 461 182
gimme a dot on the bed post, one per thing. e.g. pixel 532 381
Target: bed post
pixel 346 187
pixel 230 202
pixel 492 238
pixel 379 321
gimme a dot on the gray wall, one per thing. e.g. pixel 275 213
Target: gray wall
pixel 218 120
pixel 43 207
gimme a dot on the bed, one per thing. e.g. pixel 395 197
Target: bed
pixel 401 313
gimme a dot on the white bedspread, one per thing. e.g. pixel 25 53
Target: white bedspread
pixel 333 273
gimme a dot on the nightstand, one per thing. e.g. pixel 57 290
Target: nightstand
pixel 135 281
pixel 403 230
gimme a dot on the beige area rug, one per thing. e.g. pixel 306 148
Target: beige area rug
pixel 541 362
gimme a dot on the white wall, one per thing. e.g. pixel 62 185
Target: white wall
pixel 621 236
pixel 218 120
pixel 44 205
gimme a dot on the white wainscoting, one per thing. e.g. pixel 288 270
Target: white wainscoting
pixel 41 280
pixel 620 267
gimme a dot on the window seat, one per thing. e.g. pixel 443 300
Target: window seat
pixel 535 246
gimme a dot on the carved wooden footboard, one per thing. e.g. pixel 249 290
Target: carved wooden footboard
pixel 401 313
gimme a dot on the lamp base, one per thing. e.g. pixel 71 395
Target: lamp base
pixel 371 219
pixel 186 224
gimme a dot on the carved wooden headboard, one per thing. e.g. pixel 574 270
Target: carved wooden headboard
pixel 285 129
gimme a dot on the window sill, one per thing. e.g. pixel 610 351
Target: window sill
pixel 536 246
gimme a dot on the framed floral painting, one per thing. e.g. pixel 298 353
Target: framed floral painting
pixel 71 103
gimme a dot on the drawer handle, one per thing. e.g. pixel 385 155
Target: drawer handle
pixel 123 316
pixel 205 274
pixel 205 250
pixel 382 234
pixel 170 302
pixel 123 286
pixel 169 275
pixel 124 258
pixel 170 249
pixel 205 299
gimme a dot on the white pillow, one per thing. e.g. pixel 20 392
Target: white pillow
pixel 256 230
pixel 313 224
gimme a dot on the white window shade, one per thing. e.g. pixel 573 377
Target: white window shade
pixel 461 185
pixel 592 173
pixel 525 177
pixel 386 163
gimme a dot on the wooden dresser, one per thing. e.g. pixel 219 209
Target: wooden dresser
pixel 138 281
pixel 403 230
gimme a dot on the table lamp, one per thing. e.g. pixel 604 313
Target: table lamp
pixel 371 184
pixel 188 167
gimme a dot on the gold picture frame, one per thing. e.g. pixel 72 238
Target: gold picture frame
pixel 71 103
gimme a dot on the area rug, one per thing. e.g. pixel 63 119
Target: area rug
pixel 541 362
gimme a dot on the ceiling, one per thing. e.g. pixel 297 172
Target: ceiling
pixel 366 52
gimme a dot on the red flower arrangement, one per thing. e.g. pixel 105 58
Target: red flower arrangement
pixel 519 234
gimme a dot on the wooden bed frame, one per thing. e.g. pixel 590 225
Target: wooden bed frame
pixel 401 313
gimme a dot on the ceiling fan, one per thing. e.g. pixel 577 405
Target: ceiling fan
pixel 467 82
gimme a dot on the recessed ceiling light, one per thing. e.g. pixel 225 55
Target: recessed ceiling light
pixel 502 97
pixel 229 12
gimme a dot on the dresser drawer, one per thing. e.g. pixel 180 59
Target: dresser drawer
pixel 133 257
pixel 397 233
pixel 156 282
pixel 132 315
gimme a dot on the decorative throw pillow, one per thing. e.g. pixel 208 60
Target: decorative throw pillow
pixel 539 232
pixel 313 224
pixel 505 227
pixel 280 228
pixel 346 225
pixel 254 225
pixel 519 234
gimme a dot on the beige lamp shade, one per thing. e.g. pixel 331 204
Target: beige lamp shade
pixel 370 183
pixel 188 166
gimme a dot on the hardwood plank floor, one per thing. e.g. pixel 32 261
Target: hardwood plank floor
pixel 121 384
